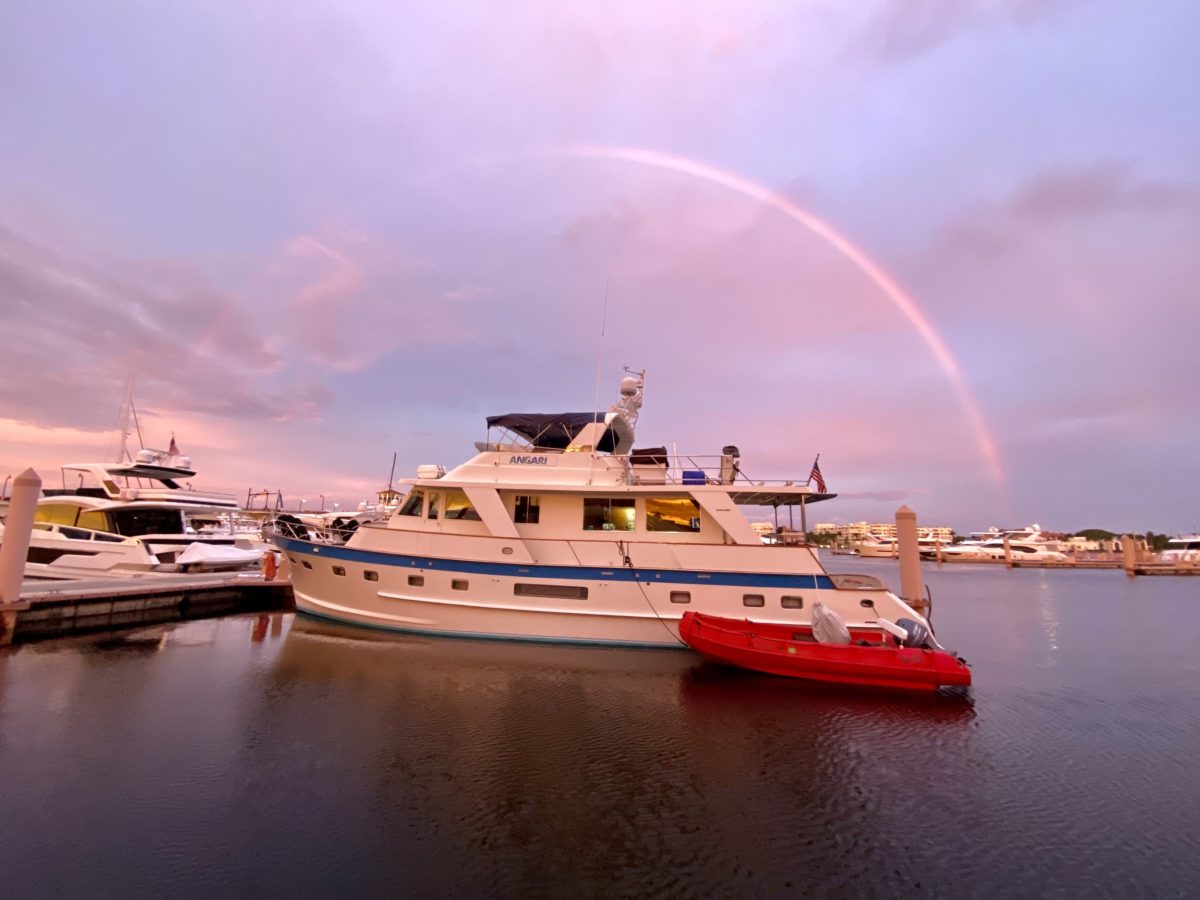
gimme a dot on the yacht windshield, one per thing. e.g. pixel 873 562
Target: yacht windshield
pixel 136 522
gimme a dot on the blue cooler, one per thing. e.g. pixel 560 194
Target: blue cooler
pixel 694 476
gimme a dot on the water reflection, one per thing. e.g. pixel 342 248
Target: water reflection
pixel 565 749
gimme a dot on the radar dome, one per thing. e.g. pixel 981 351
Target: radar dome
pixel 629 386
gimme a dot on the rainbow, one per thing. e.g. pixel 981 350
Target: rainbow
pixel 880 278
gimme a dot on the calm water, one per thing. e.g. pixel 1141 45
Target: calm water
pixel 280 757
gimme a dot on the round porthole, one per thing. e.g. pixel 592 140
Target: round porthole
pixel 507 551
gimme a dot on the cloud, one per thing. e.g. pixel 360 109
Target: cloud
pixel 78 319
pixel 902 29
pixel 1057 196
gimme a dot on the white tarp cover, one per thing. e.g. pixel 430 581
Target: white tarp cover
pixel 827 626
pixel 217 556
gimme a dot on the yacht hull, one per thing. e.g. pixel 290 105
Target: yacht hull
pixel 571 604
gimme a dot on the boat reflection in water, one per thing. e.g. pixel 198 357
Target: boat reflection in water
pixel 589 769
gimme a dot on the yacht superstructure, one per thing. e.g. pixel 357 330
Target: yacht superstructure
pixel 561 531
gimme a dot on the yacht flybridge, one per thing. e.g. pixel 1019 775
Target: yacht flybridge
pixel 558 529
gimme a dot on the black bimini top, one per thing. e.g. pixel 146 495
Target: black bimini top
pixel 554 431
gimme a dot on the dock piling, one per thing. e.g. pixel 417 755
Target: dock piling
pixel 911 591
pixel 1129 553
pixel 18 528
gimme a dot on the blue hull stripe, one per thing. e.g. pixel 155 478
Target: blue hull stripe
pixel 558 573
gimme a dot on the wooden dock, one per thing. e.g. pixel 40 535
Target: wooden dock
pixel 51 609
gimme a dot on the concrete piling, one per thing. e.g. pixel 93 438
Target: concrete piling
pixel 1129 554
pixel 14 549
pixel 907 548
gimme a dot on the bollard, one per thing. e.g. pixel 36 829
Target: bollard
pixel 1007 552
pixel 1130 554
pixel 910 559
pixel 18 527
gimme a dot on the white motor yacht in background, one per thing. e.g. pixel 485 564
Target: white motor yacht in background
pixel 561 531
pixel 1185 549
pixel 1025 544
pixel 134 517
pixel 889 547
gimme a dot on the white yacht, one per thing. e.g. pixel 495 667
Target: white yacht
pixel 1184 549
pixel 889 547
pixel 133 517
pixel 560 531
pixel 1025 544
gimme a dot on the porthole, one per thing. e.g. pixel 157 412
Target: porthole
pixel 306 563
pixel 416 581
pixel 339 570
pixel 681 597
pixel 791 602
pixel 753 600
pixel 507 551
pixel 370 576
pixel 458 584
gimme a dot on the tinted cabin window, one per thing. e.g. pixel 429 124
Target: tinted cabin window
pixel 608 514
pixel 434 497
pixel 672 514
pixel 526 510
pixel 458 506
pixel 412 504
pixel 136 522
pixel 57 513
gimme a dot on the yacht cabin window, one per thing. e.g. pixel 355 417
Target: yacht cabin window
pixel 608 514
pixel 526 510
pixel 672 514
pixel 434 497
pixel 56 513
pixel 412 504
pixel 135 522
pixel 458 506
pixel 94 519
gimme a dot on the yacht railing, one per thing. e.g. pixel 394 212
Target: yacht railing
pixel 685 469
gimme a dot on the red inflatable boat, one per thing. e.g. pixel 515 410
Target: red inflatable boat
pixel 870 659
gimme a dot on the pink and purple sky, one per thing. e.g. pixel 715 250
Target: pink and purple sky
pixel 950 245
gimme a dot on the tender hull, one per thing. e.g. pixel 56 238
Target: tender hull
pixel 793 653
pixel 617 605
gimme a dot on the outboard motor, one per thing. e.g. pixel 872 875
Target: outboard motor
pixel 918 634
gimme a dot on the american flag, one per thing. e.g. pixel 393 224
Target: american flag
pixel 814 477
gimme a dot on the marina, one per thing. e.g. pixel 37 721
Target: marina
pixel 483 768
